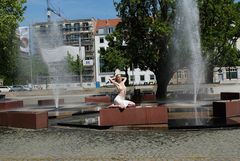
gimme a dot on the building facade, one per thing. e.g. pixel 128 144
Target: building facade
pixel 182 76
pixel 226 74
pixel 102 29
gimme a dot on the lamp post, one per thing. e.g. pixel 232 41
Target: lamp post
pixel 30 53
pixel 80 60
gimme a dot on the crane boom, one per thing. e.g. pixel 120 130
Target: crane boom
pixel 50 10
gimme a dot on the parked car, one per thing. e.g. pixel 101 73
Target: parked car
pixel 20 88
pixel 27 88
pixel 5 89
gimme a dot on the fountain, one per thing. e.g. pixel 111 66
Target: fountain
pixel 173 114
pixel 6 104
pixel 148 114
pixel 187 42
pixel 13 114
pixel 54 53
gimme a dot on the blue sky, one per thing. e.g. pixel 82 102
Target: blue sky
pixel 70 9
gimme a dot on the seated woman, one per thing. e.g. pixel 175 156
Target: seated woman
pixel 120 100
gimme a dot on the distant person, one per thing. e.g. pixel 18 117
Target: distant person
pixel 120 100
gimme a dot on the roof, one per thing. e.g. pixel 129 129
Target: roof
pixel 106 23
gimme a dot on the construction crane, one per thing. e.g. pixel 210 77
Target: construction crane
pixel 51 10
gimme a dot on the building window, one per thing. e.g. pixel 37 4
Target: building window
pixel 185 74
pixel 102 49
pixel 67 27
pixel 103 66
pixel 231 74
pixel 175 76
pixel 110 30
pixel 151 77
pixel 100 31
pixel 87 48
pixel 76 27
pixel 85 26
pixel 142 78
pixel 101 39
pixel 85 36
pixel 103 79
pixel 70 37
pixel 132 78
pixel 76 37
pixel 179 74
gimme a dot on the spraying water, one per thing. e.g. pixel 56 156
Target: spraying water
pixel 187 40
pixel 50 45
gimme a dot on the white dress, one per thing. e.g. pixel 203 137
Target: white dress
pixel 119 100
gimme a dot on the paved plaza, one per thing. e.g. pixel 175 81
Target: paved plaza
pixel 61 143
pixel 118 143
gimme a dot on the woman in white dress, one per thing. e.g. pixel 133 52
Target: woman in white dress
pixel 120 100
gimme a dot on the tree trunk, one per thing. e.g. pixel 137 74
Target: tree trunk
pixel 126 75
pixel 162 84
pixel 163 77
pixel 209 74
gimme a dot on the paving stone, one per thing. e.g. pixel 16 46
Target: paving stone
pixel 88 144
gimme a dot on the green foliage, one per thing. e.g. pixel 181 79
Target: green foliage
pixel 23 70
pixel 39 67
pixel 115 56
pixel 29 68
pixel 11 13
pixel 220 29
pixel 146 28
pixel 74 66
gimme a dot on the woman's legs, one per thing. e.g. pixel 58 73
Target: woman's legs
pixel 130 103
pixel 120 102
pixel 123 103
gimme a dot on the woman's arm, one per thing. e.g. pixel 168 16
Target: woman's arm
pixel 112 80
pixel 124 79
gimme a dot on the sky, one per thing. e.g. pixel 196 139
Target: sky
pixel 70 9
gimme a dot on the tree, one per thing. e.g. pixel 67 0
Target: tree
pixel 74 66
pixel 146 28
pixel 220 29
pixel 115 56
pixel 11 13
pixel 39 67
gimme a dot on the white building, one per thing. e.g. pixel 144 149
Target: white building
pixel 136 77
pixel 238 44
pixel 226 74
pixel 139 77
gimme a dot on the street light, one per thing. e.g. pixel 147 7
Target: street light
pixel 81 55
